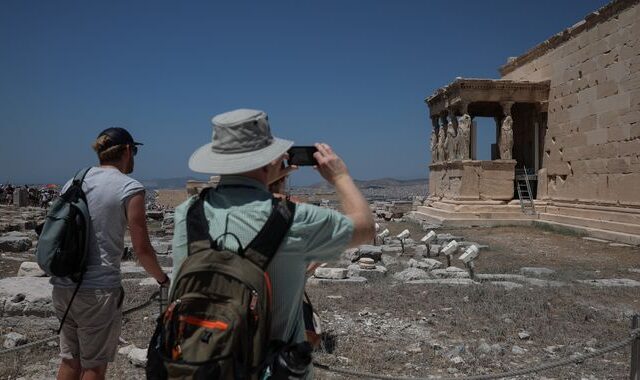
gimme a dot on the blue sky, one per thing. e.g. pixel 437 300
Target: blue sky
pixel 353 74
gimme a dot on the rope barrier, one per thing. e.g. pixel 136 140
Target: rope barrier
pixel 54 337
pixel 518 372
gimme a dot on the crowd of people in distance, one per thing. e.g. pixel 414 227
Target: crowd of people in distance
pixel 38 196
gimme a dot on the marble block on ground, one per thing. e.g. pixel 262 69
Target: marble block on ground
pixel 25 296
pixel 378 272
pixel 411 274
pixel 30 269
pixel 14 243
pixel 331 273
pixel 349 280
pixel 445 281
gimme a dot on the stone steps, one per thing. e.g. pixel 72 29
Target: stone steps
pixel 627 233
pixel 631 216
pixel 510 213
pixel 627 228
pixel 619 237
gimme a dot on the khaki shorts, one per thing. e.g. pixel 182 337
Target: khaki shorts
pixel 92 328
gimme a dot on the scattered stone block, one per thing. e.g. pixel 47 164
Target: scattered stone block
pixel 366 263
pixel 536 271
pixel 518 350
pixel 25 296
pixel 14 243
pixel 446 281
pixel 500 277
pixel 375 273
pixel 348 280
pixel 411 274
pixel 443 239
pixel 331 273
pixel 30 269
pixel 420 250
pixel 523 335
pixel 368 251
pixel 389 261
pixel 444 273
pixel 397 250
pixel 426 264
pixel 137 356
pixel 13 340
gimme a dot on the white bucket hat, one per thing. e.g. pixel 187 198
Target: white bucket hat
pixel 241 142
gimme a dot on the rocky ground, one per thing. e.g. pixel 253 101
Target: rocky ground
pixel 537 296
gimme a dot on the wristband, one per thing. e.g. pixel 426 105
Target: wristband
pixel 165 281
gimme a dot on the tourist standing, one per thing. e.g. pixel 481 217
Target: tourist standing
pixel 90 333
pixel 248 158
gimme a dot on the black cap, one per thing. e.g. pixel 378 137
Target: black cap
pixel 118 136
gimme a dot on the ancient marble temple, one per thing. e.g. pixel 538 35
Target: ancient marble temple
pixel 567 122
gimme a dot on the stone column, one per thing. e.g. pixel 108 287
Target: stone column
pixel 455 146
pixel 464 137
pixel 506 132
pixel 434 139
pixel 442 138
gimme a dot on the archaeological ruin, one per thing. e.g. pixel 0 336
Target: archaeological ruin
pixel 567 119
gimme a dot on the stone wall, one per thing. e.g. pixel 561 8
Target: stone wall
pixel 472 180
pixel 592 145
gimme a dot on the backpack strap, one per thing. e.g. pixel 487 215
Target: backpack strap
pixel 198 237
pixel 265 245
pixel 261 249
pixel 79 177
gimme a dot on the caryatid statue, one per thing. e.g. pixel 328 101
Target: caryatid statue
pixel 506 138
pixel 434 146
pixel 450 148
pixel 464 137
pixel 440 147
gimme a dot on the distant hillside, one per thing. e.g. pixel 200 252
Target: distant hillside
pixel 169 183
pixel 377 183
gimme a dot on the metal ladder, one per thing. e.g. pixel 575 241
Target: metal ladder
pixel 524 192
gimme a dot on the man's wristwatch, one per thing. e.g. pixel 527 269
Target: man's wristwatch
pixel 165 281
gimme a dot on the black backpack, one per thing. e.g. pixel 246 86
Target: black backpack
pixel 63 244
pixel 219 315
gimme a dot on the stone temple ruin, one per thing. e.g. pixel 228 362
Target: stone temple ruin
pixel 567 119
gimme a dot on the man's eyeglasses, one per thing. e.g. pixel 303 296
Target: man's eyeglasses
pixel 134 149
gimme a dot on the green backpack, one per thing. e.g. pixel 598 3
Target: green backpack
pixel 63 244
pixel 219 315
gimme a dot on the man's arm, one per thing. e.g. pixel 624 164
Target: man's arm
pixel 353 204
pixel 137 221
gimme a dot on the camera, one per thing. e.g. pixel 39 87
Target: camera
pixel 302 156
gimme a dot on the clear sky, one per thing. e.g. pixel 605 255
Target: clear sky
pixel 350 73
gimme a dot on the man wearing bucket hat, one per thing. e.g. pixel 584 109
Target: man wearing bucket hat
pixel 248 158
